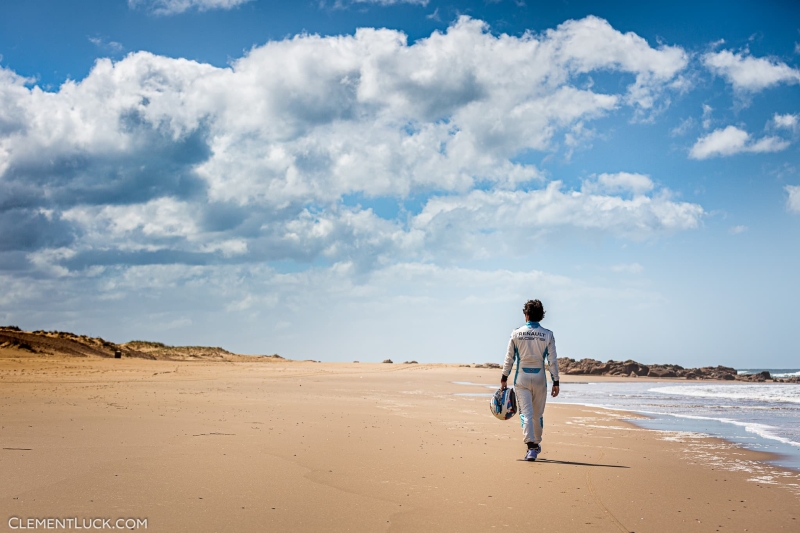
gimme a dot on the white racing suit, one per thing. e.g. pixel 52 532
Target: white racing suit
pixel 532 344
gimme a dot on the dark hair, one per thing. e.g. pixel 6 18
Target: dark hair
pixel 534 310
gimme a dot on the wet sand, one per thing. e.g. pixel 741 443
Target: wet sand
pixel 276 446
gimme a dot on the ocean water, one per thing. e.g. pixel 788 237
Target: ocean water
pixel 759 416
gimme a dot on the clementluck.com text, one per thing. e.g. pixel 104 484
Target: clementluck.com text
pixel 16 522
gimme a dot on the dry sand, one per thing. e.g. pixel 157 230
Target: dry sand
pixel 286 446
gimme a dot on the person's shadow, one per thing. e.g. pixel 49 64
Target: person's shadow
pixel 553 461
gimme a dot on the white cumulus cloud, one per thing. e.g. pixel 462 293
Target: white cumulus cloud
pixel 480 216
pixel 152 159
pixel 787 121
pixel 312 118
pixel 747 73
pixel 732 140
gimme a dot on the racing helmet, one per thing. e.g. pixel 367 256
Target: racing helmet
pixel 504 403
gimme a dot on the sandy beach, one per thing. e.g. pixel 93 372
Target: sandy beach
pixel 278 446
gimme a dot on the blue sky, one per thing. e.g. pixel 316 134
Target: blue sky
pixel 348 180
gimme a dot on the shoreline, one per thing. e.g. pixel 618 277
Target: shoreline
pixel 771 459
pixel 782 452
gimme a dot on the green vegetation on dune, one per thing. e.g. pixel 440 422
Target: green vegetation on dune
pixel 183 351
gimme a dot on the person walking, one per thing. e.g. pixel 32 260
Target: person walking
pixel 531 344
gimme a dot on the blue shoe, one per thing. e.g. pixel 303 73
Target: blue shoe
pixel 533 453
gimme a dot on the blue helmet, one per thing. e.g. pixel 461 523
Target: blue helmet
pixel 504 403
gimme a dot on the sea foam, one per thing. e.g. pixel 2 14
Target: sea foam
pixel 756 392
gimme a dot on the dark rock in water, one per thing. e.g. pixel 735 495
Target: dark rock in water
pixel 758 378
pixel 718 372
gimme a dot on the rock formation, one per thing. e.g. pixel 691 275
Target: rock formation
pixel 631 368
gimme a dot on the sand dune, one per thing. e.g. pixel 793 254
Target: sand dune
pixel 66 344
